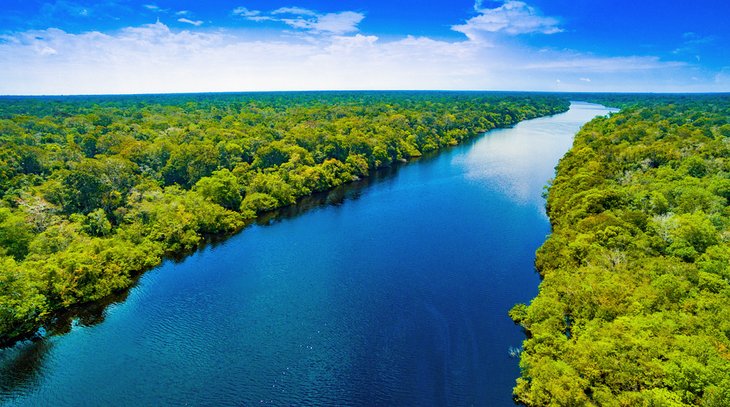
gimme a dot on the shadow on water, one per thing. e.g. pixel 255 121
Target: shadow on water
pixel 89 314
pixel 350 191
pixel 19 365
pixel 21 362
pixel 333 197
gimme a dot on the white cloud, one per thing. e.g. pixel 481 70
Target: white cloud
pixel 581 63
pixel 259 19
pixel 307 20
pixel 295 10
pixel 154 58
pixel 152 7
pixel 244 12
pixel 512 18
pixel 187 21
pixel 332 23
pixel 182 13
pixel 585 80
pixel 47 51
pixel 339 23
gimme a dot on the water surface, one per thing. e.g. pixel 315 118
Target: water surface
pixel 395 294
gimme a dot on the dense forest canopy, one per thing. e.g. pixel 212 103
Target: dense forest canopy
pixel 96 189
pixel 634 307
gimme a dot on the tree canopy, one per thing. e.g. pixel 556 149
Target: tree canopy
pixel 633 306
pixel 96 189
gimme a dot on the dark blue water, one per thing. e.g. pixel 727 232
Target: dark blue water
pixel 397 294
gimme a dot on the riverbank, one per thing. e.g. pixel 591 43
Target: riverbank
pixel 106 191
pixel 632 309
pixel 392 294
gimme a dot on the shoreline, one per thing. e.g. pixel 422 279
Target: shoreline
pixel 59 321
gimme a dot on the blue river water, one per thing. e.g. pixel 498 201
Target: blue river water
pixel 390 291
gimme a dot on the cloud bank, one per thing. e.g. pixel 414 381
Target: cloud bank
pixel 325 51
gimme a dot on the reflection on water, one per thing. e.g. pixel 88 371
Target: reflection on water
pixel 513 160
pixel 337 196
pixel 397 297
pixel 20 365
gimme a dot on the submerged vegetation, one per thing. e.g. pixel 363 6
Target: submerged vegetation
pixel 94 190
pixel 634 306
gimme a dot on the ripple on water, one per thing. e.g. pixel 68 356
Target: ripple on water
pixel 398 297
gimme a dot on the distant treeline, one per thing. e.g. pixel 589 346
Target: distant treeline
pixel 634 306
pixel 96 189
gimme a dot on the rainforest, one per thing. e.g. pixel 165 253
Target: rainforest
pixel 98 189
pixel 633 306
pixel 365 203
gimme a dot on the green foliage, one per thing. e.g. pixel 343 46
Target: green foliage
pixel 97 224
pixel 222 188
pixel 633 306
pixel 15 234
pixel 96 189
pixel 259 202
pixel 21 304
pixel 271 155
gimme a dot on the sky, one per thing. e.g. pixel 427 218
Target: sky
pixel 163 46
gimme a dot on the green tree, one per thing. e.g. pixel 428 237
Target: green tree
pixel 15 234
pixel 221 188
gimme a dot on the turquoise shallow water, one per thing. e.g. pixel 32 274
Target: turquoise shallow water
pixel 393 291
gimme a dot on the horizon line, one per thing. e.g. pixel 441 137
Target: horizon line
pixel 366 91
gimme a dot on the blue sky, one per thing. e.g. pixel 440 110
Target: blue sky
pixel 119 46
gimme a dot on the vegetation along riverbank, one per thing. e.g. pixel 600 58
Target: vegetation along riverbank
pixel 96 189
pixel 633 306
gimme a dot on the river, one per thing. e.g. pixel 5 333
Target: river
pixel 391 291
